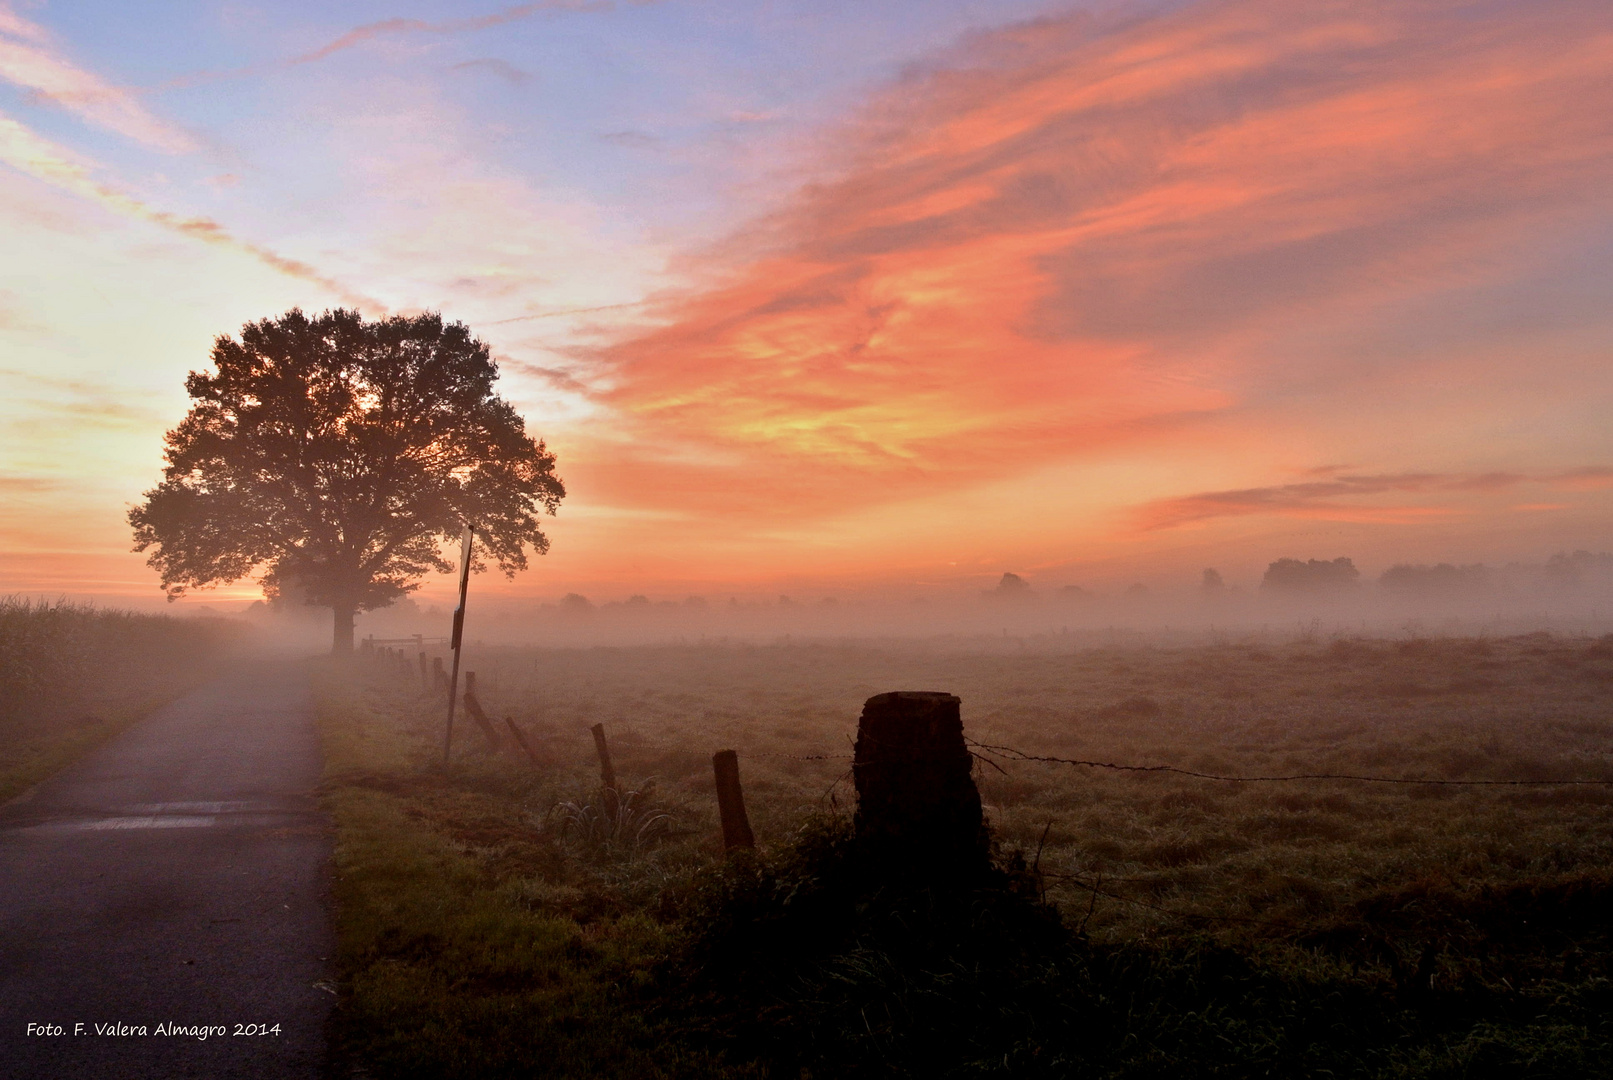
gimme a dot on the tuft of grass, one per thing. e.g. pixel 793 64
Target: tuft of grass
pixel 612 822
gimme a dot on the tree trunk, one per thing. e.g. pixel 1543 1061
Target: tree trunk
pixel 342 639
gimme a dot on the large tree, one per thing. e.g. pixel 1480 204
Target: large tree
pixel 333 457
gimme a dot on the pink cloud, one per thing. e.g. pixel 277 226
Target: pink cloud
pixel 28 59
pixel 1079 233
pixel 1589 478
pixel 1319 499
pixel 389 27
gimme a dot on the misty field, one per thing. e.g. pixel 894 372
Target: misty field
pixel 1212 927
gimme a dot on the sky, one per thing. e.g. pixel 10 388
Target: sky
pixel 823 297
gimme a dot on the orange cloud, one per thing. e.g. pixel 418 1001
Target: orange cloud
pixel 1590 478
pixel 78 401
pixel 29 485
pixel 1082 233
pixel 1317 499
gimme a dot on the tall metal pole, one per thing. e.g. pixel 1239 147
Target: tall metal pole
pixel 459 634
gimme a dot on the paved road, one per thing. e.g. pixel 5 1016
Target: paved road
pixel 176 875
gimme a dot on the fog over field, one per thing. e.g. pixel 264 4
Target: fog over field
pixel 1569 593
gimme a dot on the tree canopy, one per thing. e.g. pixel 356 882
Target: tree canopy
pixel 1312 575
pixel 332 456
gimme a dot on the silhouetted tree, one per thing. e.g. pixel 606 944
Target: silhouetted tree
pixel 1441 580
pixel 1011 587
pixel 333 457
pixel 1572 570
pixel 1212 584
pixel 1312 575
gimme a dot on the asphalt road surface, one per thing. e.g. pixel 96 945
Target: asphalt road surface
pixel 175 876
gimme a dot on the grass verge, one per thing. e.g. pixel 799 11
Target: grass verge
pixel 458 956
pixel 1361 934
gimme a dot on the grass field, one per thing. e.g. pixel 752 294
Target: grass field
pixel 71 676
pixel 1281 928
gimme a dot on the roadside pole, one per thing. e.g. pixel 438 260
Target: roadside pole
pixel 459 634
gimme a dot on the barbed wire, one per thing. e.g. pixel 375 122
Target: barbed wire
pixel 1173 912
pixel 630 742
pixel 1016 754
pixel 982 752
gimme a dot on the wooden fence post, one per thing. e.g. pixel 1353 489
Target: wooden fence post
pixel 607 772
pixel 916 797
pixel 474 707
pixel 425 676
pixel 736 831
pixel 520 740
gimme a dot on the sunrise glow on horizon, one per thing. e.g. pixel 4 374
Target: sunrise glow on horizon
pixel 836 297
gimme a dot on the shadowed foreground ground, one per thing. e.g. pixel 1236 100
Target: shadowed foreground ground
pixel 177 875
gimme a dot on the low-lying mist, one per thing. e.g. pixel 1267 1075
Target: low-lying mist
pixel 1570 593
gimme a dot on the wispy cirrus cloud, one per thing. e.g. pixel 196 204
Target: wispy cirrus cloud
pixel 1344 497
pixel 29 59
pixel 559 378
pixel 500 69
pixel 1588 478
pixel 81 401
pixel 1335 498
pixel 390 27
pixel 1081 232
pixel 29 485
pixel 24 150
pixel 93 97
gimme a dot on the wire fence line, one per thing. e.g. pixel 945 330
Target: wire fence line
pixel 984 752
pixel 633 742
pixel 996 755
pixel 1097 890
pixel 1013 754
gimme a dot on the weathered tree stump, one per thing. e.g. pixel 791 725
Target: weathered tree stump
pixel 916 796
